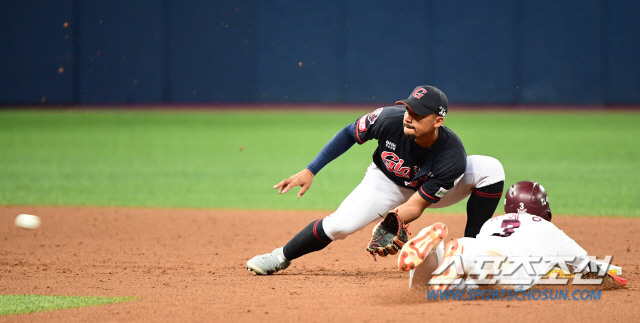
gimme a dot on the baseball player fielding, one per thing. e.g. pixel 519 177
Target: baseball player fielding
pixel 418 163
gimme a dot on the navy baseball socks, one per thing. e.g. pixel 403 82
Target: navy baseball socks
pixel 311 238
pixel 480 207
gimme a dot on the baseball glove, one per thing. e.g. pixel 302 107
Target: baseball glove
pixel 389 235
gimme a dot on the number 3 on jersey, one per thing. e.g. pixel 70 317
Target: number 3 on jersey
pixel 508 227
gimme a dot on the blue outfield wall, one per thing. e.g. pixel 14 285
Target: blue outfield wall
pixel 34 45
pixel 195 51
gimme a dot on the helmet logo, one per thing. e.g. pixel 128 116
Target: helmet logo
pixel 544 200
pixel 521 209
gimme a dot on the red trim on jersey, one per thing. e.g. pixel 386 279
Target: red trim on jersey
pixel 431 197
pixel 489 195
pixel 358 131
pixel 315 232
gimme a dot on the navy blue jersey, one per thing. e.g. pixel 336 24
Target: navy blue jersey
pixel 431 171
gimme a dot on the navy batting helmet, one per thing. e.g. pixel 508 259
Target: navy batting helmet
pixel 529 197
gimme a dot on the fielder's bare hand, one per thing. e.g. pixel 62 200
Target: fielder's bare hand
pixel 303 179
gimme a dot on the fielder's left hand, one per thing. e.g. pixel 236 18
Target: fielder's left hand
pixel 304 179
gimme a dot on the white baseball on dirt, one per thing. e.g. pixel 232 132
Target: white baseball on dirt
pixel 27 221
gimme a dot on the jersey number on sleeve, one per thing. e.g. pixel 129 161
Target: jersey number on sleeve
pixel 508 227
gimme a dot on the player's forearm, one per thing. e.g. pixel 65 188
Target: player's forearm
pixel 408 213
pixel 412 209
pixel 338 145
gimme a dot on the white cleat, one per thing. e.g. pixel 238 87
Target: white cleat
pixel 443 281
pixel 268 263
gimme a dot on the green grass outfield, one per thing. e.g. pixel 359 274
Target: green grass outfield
pixel 589 162
pixel 22 304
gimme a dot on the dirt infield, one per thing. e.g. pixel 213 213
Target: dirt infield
pixel 189 265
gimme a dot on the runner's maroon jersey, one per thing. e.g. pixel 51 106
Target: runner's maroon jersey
pixel 431 171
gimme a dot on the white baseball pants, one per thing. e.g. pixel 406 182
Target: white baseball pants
pixel 376 195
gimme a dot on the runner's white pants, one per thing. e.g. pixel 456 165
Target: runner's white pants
pixel 377 194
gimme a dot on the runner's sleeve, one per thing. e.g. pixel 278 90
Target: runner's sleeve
pixel 434 188
pixel 338 145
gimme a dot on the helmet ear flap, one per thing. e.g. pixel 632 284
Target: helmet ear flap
pixel 541 202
